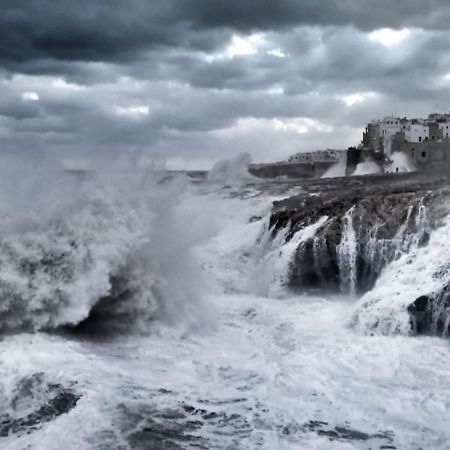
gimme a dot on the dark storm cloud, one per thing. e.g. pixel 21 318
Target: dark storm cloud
pixel 15 108
pixel 363 14
pixel 115 75
pixel 117 30
pixel 94 31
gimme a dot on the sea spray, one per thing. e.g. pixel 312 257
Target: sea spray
pixel 231 172
pixel 74 244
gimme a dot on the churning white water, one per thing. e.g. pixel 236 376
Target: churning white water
pixel 210 349
pixel 422 271
pixel 347 254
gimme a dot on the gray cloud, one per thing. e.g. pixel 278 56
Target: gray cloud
pixel 113 30
pixel 158 77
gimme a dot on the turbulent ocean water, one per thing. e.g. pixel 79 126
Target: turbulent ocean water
pixel 142 310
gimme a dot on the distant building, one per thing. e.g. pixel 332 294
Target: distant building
pixel 319 156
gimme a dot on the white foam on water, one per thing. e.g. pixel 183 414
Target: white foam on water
pixel 265 370
pixel 268 369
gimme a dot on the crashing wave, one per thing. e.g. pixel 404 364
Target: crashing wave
pixel 81 247
pixel 233 171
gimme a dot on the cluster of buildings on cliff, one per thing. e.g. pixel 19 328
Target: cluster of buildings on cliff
pixel 421 143
pixel 425 141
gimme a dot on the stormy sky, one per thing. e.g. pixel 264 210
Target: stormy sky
pixel 196 81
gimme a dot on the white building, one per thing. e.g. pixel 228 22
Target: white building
pixel 424 140
pixel 328 155
pixel 445 127
pixel 417 132
pixel 389 127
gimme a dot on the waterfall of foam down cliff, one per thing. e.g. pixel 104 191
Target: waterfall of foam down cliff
pixel 425 270
pixel 273 264
pixel 347 254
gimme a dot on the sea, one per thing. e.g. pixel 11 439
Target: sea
pixel 153 310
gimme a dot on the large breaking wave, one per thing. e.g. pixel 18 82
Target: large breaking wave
pixel 78 245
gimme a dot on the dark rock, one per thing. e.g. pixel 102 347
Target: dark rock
pixel 430 314
pixel 371 222
pixel 147 428
pixel 61 401
pixel 352 435
pixel 345 433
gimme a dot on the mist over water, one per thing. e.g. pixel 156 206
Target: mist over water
pixel 141 309
pixel 231 172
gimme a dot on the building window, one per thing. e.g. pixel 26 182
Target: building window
pixel 424 154
pixel 420 138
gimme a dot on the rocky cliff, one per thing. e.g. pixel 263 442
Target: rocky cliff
pixel 370 222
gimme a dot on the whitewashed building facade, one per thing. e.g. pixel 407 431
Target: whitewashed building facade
pixel 423 140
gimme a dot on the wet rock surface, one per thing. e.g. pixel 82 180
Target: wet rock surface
pixel 384 439
pixel 145 427
pixel 335 196
pixel 371 221
pixel 25 416
pixel 168 430
pixel 430 314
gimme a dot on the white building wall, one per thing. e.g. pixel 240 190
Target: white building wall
pixel 445 127
pixel 417 132
pixel 319 156
pixel 389 126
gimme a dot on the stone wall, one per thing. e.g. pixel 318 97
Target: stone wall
pixel 428 154
pixel 290 170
